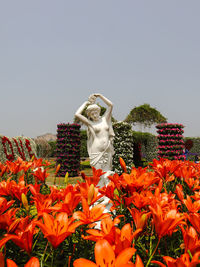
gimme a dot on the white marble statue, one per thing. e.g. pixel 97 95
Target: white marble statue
pixel 100 134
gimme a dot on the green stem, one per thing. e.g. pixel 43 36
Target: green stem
pixel 52 258
pixel 44 252
pixel 153 253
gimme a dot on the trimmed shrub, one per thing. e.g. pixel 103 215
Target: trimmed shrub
pixel 123 145
pixel 68 149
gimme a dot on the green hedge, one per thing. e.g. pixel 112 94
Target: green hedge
pixel 149 144
pixel 83 149
pixel 195 148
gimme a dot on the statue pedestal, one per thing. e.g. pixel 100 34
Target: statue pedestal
pixel 104 200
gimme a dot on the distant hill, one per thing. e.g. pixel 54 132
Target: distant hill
pixel 48 137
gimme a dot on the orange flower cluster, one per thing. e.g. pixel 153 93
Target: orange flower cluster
pixel 154 218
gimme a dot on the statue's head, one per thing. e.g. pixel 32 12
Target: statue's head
pixel 93 112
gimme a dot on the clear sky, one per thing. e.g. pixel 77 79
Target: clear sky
pixel 54 54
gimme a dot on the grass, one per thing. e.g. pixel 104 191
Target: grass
pixel 60 181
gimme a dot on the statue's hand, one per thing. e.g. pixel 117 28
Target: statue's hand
pixel 97 95
pixel 92 99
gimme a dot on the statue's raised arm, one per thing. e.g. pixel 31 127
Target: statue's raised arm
pixel 99 131
pixel 109 109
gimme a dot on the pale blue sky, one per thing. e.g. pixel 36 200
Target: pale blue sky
pixel 54 54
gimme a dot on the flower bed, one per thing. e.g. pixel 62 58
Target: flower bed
pixel 170 141
pixel 12 148
pixel 154 219
pixel 68 149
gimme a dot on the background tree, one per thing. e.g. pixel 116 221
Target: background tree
pixel 145 115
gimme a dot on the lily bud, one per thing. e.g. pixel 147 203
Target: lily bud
pixel 123 164
pixel 66 177
pixel 57 169
pixel 142 221
pixel 24 201
pixel 90 193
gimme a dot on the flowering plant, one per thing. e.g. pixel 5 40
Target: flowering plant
pixel 12 148
pixel 171 142
pixel 68 149
pixel 154 217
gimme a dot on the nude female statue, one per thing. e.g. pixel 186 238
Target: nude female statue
pixel 99 132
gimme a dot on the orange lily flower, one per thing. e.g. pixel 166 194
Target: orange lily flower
pixel 118 239
pixel 7 218
pixel 70 202
pixel 140 217
pixel 4 204
pixel 105 256
pixel 92 215
pixel 89 192
pixel 43 204
pixel 179 192
pixel 191 240
pixel 23 236
pixel 15 166
pixel 94 179
pixel 13 189
pixel 191 206
pixel 108 230
pixel 183 261
pixel 138 179
pixel 140 200
pixel 194 219
pixel 37 163
pixel 164 168
pixel 166 222
pixel 33 262
pixel 40 174
pixel 58 228
pixel 3 169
